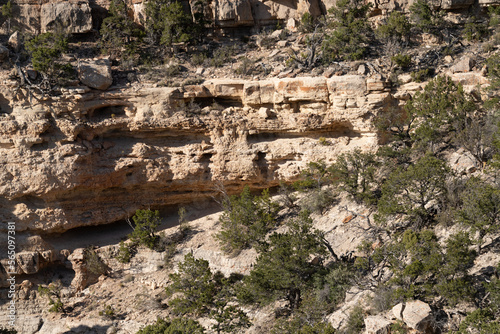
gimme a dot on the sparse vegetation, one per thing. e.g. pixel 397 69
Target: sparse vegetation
pixel 53 294
pixel 246 220
pixel 120 35
pixel 145 225
pixel 350 36
pixel 45 51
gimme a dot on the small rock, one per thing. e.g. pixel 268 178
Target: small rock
pixel 95 73
pixel 282 44
pixel 291 24
pixel 276 34
pixel 200 70
pixel 404 78
pixel 377 325
pixel 465 64
pixel 448 59
pixel 347 219
pixel 264 112
pixel 4 53
pixel 15 41
pixel 32 74
pixel 398 311
pixel 328 72
pixel 362 69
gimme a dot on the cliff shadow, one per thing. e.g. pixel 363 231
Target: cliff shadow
pixel 98 329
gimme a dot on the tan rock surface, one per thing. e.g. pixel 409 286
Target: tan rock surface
pixel 96 157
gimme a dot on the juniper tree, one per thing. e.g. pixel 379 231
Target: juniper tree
pixel 120 35
pixel 412 191
pixel 145 225
pixel 351 31
pixel 246 220
pixel 283 268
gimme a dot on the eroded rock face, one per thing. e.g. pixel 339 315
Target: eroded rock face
pixel 73 17
pixel 101 156
pixel 89 157
pixel 82 16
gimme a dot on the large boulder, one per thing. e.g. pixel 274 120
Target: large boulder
pixel 465 64
pixel 73 17
pixel 234 13
pixel 415 314
pixel 377 325
pixel 95 73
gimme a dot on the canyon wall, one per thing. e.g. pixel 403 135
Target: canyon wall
pixel 88 158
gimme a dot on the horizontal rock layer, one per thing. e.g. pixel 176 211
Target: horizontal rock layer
pixel 83 16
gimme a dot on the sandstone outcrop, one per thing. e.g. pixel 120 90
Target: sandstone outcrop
pixel 97 157
pixel 83 16
pixel 73 17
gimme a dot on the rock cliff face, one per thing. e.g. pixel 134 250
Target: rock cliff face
pixel 83 16
pixel 88 158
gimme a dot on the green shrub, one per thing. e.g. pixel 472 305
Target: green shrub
pixel 403 61
pixel 481 321
pixel 283 269
pixel 399 327
pixel 246 67
pixel 199 58
pixel 108 312
pixel 146 223
pixel 200 292
pixel 45 51
pixel 421 75
pixel 323 141
pixel 396 27
pixel 172 70
pixel 246 220
pixel 119 32
pixel 53 293
pixel 125 253
pixel 8 13
pixel 221 56
pixel 411 190
pixel 354 173
pixel 355 322
pixel 442 107
pixel 168 23
pixel 94 263
pixel 351 31
pixel 474 31
pixel 307 23
pixel 481 208
pixel 314 177
pixel 424 17
pixel 318 200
